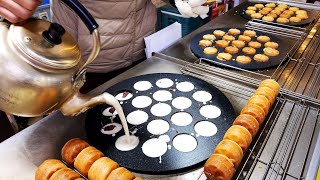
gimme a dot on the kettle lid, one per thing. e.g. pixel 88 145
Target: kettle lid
pixel 46 44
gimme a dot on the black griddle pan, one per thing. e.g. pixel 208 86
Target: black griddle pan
pixel 254 65
pixel 172 161
pixel 311 16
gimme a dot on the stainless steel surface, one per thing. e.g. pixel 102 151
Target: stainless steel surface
pixel 295 74
pixel 27 149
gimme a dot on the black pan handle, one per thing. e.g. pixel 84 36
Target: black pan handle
pixel 83 13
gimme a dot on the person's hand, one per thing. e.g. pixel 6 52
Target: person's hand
pixel 18 10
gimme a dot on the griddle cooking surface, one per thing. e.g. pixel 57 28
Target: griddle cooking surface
pixel 254 65
pixel 173 161
pixel 311 15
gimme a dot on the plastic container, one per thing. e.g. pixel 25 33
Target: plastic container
pixel 168 15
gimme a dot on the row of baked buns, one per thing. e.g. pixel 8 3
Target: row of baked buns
pixel 88 161
pixel 229 152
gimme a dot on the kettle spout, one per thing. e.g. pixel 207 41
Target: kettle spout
pixel 79 103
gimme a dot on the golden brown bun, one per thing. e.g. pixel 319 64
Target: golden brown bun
pixel 240 135
pixel 210 50
pixel 266 92
pixel 72 148
pixel 255 111
pixel 238 43
pixel 224 56
pixel 249 122
pixel 86 158
pixel 205 43
pixel 270 44
pixel 47 168
pixel 230 149
pixel 261 101
pixel 231 50
pixel 101 168
pixel 249 50
pixel 120 173
pixel 219 33
pixel 219 167
pixel 263 39
pixel 270 51
pixel 244 38
pixel 222 43
pixel 254 44
pixel 65 174
pixel 250 33
pixel 234 31
pixel 274 85
pixel 261 58
pixel 272 5
pixel 243 59
pixel 228 38
pixel 79 179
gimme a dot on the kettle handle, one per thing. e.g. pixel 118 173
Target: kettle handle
pixel 92 26
pixel 83 13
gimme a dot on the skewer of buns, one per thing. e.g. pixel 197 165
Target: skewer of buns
pixel 88 161
pixel 229 152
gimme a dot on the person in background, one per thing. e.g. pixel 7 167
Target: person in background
pixel 122 26
pixel 17 10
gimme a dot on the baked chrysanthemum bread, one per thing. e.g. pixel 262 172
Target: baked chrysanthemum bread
pixel 86 158
pixel 249 122
pixel 101 168
pixel 219 166
pixel 64 174
pixel 230 149
pixel 72 148
pixel 47 168
pixel 240 135
pixel 120 173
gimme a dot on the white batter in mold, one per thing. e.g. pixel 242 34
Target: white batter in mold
pixel 162 95
pixel 184 142
pixel 158 127
pixel 160 109
pixel 123 96
pixel 141 101
pixel 181 118
pixel 154 147
pixel 142 85
pixel 165 137
pixel 111 128
pixel 164 83
pixel 202 96
pixel 181 102
pixel 210 111
pixel 205 128
pixel 110 111
pixel 125 143
pixel 185 86
pixel 137 117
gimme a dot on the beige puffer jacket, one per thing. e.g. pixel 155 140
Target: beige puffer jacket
pixel 122 25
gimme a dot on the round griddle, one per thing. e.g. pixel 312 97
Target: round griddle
pixel 173 161
pixel 242 12
pixel 254 65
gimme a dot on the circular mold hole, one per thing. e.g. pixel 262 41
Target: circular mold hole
pixel 181 118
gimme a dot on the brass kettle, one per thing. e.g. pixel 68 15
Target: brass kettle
pixel 41 69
